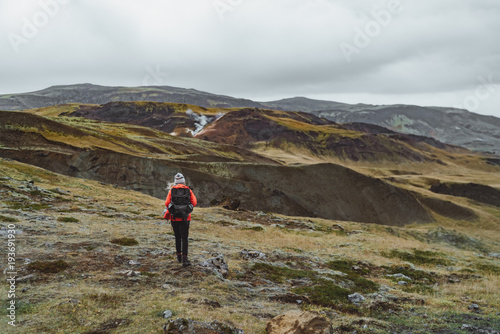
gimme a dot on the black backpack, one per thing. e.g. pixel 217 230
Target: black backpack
pixel 181 206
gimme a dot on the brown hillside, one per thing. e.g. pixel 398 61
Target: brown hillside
pixel 143 159
pixel 294 132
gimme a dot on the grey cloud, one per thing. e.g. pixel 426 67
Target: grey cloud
pixel 259 48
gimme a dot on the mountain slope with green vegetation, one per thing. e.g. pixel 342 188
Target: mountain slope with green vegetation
pixel 252 173
pixel 449 125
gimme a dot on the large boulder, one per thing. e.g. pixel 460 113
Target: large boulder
pixel 298 322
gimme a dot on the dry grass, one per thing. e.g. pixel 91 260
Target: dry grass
pixel 69 302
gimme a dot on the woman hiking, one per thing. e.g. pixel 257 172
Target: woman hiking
pixel 180 203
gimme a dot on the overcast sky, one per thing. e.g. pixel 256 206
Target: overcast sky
pixel 425 52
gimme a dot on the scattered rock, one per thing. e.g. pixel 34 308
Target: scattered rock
pixel 456 239
pixel 217 264
pixel 473 307
pixel 330 272
pixel 204 301
pixel 478 330
pixel 400 276
pixel 243 285
pixel 129 273
pixel 109 325
pixel 384 306
pixel 249 254
pixel 167 287
pixel 26 278
pixel 167 314
pixel 356 298
pixel 291 298
pixel 188 326
pixel 402 283
pixel 133 263
pixel 298 322
pixel 497 255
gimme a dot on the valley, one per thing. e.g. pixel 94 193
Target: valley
pixel 295 212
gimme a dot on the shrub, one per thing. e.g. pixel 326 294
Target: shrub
pixel 359 283
pixel 279 274
pixel 346 266
pixel 254 228
pixel 327 294
pixel 107 300
pixel 125 241
pixel 8 219
pixel 418 257
pixel 26 206
pixel 488 268
pixel 68 220
pixel 48 266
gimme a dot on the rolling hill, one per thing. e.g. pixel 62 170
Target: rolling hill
pixel 452 126
pixel 234 159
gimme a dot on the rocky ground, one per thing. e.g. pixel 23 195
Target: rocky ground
pixel 94 258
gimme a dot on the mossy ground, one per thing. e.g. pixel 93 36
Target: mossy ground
pixel 68 219
pixel 91 293
pixel 48 266
pixel 125 241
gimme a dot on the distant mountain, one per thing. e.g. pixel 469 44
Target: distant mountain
pixel 452 126
pixel 304 104
pixel 94 94
pixel 448 125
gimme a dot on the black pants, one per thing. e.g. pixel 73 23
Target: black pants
pixel 181 232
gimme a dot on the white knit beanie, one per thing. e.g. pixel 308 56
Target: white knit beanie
pixel 179 178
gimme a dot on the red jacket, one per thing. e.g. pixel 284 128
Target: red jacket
pixel 169 200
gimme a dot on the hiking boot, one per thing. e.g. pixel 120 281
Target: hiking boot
pixel 179 257
pixel 185 261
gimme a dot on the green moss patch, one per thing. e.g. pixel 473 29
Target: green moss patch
pixel 254 228
pixel 419 257
pixel 322 291
pixel 348 267
pixel 8 219
pixel 354 271
pixel 279 274
pixel 488 268
pixel 106 300
pixel 27 206
pixel 125 241
pixel 418 288
pixel 325 293
pixel 363 285
pixel 48 266
pixel 67 220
